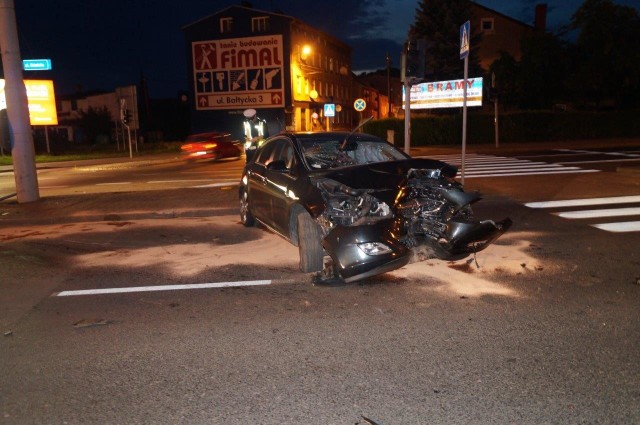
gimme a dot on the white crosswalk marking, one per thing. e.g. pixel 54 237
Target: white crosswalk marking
pixel 616 227
pixel 477 166
pixel 628 226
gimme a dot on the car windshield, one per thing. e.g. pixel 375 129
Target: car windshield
pixel 328 153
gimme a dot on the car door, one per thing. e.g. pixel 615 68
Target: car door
pixel 256 184
pixel 280 176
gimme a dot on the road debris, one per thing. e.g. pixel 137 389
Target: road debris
pixel 85 323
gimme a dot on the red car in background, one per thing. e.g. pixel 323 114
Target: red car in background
pixel 211 145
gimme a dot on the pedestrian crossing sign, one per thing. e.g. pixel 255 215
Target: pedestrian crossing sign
pixel 329 109
pixel 465 29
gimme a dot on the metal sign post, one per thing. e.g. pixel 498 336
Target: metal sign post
pixel 495 108
pixel 124 119
pixel 464 54
pixel 407 116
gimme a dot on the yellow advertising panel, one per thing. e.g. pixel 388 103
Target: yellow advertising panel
pixel 41 100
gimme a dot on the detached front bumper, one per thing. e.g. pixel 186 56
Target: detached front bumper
pixel 344 245
pixel 467 237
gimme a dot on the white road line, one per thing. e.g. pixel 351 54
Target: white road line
pixel 531 174
pixel 597 152
pixel 628 226
pixel 603 160
pixel 499 163
pixel 552 155
pixel 162 288
pixel 214 173
pixel 112 183
pixel 478 166
pixel 520 167
pixel 231 183
pixel 177 181
pixel 583 202
pixel 613 212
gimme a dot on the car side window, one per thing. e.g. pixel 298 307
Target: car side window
pixel 264 156
pixel 283 152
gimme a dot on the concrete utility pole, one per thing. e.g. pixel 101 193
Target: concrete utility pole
pixel 22 152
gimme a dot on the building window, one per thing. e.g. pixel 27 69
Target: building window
pixel 486 24
pixel 260 24
pixel 226 25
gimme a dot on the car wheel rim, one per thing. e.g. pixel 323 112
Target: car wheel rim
pixel 244 207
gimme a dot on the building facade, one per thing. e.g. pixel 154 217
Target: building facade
pixel 501 33
pixel 241 58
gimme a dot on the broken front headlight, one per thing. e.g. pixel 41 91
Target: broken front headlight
pixel 374 248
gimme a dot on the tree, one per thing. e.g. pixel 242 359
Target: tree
pixel 608 58
pixel 506 70
pixel 439 21
pixel 542 71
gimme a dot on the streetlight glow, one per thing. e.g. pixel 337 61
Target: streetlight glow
pixel 306 51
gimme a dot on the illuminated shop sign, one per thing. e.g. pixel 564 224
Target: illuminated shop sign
pixel 41 100
pixel 239 73
pixel 446 94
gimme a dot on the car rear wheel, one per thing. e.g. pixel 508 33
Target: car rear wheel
pixel 309 246
pixel 245 213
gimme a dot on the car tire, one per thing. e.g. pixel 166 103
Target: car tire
pixel 245 211
pixel 309 246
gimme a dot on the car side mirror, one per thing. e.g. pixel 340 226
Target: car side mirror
pixel 278 166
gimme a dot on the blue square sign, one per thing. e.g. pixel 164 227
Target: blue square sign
pixel 36 64
pixel 465 30
pixel 329 109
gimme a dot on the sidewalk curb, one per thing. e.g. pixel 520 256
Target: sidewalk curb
pixel 97 164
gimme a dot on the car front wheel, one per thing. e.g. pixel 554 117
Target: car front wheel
pixel 309 246
pixel 245 213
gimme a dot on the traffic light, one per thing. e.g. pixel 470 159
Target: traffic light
pixel 415 58
pixel 126 116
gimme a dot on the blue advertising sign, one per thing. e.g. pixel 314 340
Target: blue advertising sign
pixel 36 64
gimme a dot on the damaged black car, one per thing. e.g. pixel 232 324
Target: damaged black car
pixel 355 206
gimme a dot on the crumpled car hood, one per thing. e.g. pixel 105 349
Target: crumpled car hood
pixel 385 178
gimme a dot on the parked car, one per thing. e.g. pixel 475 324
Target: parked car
pixel 212 145
pixel 356 206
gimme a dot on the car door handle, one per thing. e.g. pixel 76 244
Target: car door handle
pixel 257 176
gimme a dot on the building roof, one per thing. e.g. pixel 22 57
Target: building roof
pixel 236 7
pixel 479 6
pixel 264 12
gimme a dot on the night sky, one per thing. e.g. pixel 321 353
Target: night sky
pixel 100 44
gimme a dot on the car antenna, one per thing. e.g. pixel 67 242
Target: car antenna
pixel 344 142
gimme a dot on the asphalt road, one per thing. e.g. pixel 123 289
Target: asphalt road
pixel 542 328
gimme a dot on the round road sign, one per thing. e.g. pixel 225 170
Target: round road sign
pixel 359 105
